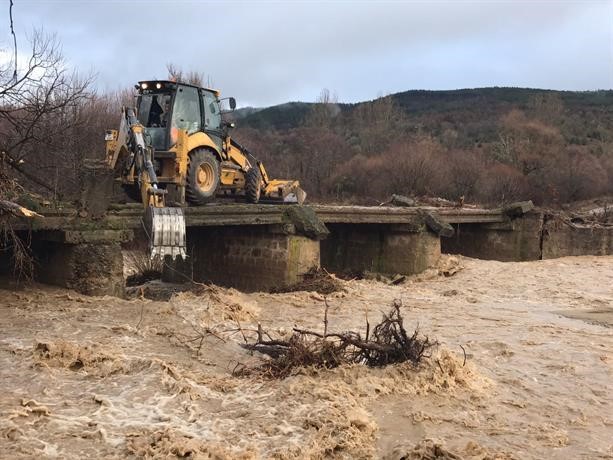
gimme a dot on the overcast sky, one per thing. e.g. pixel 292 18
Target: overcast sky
pixel 265 53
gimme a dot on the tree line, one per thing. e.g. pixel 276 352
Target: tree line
pixel 490 145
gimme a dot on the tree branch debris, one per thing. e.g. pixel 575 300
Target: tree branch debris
pixel 389 343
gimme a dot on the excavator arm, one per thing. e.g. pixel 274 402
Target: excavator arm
pixel 129 153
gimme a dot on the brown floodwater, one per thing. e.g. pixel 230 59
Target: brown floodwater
pixel 523 370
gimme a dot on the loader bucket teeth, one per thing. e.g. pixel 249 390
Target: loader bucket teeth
pixel 166 230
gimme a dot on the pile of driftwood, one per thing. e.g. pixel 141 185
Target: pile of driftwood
pixel 387 343
pixel 315 280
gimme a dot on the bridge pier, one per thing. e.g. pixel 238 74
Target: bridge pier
pixel 561 239
pixel 90 262
pixel 250 258
pixel 513 241
pixel 382 248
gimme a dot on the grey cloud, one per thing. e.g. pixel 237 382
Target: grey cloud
pixel 270 52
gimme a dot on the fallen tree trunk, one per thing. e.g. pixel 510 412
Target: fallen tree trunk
pixel 16 210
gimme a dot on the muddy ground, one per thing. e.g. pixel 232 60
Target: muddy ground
pixel 100 377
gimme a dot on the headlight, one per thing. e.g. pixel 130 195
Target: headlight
pixel 158 85
pixel 144 85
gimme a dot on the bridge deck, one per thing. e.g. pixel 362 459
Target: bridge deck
pixel 128 216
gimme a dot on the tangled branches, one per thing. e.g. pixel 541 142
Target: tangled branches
pixel 315 280
pixel 11 242
pixel 389 343
pixel 41 116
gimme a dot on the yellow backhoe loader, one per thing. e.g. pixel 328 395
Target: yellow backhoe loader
pixel 175 150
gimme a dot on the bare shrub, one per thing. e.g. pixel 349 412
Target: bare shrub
pixel 409 168
pixel 412 168
pixel 503 184
pixel 387 343
pixel 460 175
pixel 356 178
pixel 577 175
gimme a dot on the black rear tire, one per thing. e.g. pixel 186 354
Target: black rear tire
pixel 202 177
pixel 253 185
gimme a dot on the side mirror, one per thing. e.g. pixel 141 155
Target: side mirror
pixel 232 102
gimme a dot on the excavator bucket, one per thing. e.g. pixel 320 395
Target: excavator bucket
pixel 166 230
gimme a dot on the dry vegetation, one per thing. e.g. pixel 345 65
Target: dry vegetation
pixel 490 146
pixel 9 238
pixel 315 280
pixel 387 343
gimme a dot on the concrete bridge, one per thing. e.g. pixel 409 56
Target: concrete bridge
pixel 257 247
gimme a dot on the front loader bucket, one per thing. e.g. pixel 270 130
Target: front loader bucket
pixel 296 196
pixel 166 230
pixel 287 191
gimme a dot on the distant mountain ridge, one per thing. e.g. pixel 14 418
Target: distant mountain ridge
pixel 474 104
pixel 282 116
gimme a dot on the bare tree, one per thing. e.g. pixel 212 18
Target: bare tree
pixel 324 111
pixel 192 77
pixel 40 108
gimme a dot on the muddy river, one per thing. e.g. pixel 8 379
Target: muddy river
pixel 523 369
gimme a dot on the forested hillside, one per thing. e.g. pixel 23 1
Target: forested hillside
pixel 489 145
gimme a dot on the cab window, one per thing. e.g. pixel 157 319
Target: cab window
pixel 186 110
pixel 154 113
pixel 153 109
pixel 212 114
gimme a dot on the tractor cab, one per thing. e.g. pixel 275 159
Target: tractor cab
pixel 165 107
